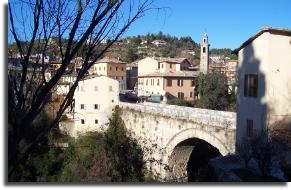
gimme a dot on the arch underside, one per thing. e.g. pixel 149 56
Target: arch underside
pixel 199 134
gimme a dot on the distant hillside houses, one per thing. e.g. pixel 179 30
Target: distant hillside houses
pixel 159 42
pixel 189 51
pixel 218 58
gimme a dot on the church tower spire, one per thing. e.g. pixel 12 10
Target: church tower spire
pixel 204 55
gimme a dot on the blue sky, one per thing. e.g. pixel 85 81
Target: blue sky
pixel 228 23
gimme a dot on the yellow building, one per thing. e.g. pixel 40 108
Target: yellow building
pixel 112 68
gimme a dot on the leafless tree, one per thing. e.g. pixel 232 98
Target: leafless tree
pixel 262 151
pixel 73 25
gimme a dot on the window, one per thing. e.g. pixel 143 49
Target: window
pixel 112 101
pixel 158 82
pixel 82 121
pixel 193 83
pixel 191 94
pixel 96 121
pixel 121 78
pixel 110 88
pixel 170 65
pixel 110 68
pixel 95 88
pixel 82 106
pixel 147 82
pixel 159 65
pixel 162 65
pixel 249 129
pixel 104 68
pixel 251 85
pixel 116 68
pixel 180 82
pixel 169 82
pixel 204 49
pixel 122 68
pixel 181 95
pixel 99 68
pixel 96 107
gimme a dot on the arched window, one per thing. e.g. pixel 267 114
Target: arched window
pixel 204 49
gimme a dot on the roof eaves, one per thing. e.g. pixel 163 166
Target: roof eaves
pixel 263 30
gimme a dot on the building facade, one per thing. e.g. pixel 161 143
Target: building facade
pixel 169 77
pixel 264 83
pixel 94 101
pixel 227 67
pixel 231 67
pixel 112 68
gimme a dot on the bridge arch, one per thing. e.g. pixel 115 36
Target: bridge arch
pixel 187 153
pixel 194 133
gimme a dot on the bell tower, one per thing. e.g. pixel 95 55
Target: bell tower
pixel 204 55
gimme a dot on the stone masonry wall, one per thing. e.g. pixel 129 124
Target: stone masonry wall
pixel 159 128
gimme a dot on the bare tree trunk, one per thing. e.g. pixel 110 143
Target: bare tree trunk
pixel 73 28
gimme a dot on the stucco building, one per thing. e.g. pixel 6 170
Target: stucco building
pixel 169 77
pixel 264 83
pixel 231 67
pixel 112 68
pixel 94 101
pixel 227 67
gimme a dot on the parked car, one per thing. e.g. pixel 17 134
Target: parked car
pixel 131 97
pixel 142 98
pixel 156 98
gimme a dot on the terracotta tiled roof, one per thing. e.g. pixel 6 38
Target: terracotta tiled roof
pixel 109 60
pixel 170 60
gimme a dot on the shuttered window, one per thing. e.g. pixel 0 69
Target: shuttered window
pixel 249 128
pixel 251 85
pixel 181 95
pixel 180 82
pixel 169 82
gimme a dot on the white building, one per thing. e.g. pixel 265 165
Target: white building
pixel 264 82
pixel 94 101
pixel 37 58
pixel 65 83
pixel 159 42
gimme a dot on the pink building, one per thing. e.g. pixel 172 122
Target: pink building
pixel 169 77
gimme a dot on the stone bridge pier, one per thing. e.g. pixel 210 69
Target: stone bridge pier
pixel 161 129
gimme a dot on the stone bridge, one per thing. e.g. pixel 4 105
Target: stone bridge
pixel 161 128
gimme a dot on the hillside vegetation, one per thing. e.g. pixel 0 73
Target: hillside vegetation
pixel 132 48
